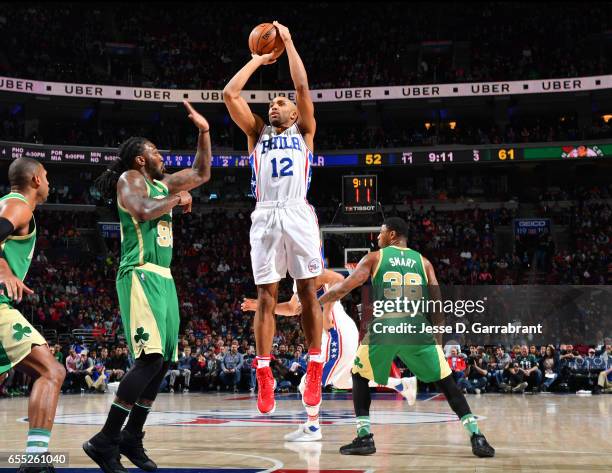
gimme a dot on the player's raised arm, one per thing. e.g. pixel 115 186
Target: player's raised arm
pixel 238 108
pixel 14 215
pixel 133 196
pixel 357 278
pixel 199 173
pixel 306 119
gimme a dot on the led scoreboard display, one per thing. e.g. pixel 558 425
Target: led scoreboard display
pixel 359 194
pixel 447 156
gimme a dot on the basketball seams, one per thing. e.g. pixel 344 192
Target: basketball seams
pixel 261 31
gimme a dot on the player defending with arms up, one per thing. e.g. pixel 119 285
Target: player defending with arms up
pixel 397 270
pixel 21 346
pixel 149 306
pixel 284 232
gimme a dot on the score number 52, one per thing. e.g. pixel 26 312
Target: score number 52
pixel 373 159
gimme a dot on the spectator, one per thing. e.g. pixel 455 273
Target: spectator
pixel 184 369
pixel 84 367
pixel 498 366
pixel 528 363
pixel 549 365
pixel 248 371
pixel 128 357
pixel 475 380
pixel 297 367
pixel 117 365
pixel 198 373
pixel 71 370
pixel 457 364
pixel 516 379
pixel 97 380
pixel 604 379
pixel 231 368
pixel 213 369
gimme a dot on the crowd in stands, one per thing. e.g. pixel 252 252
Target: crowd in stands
pixel 397 134
pixel 212 271
pixel 203 46
pixel 178 134
pixel 566 368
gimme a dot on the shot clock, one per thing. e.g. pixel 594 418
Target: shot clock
pixel 360 193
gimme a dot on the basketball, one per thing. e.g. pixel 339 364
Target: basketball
pixel 264 38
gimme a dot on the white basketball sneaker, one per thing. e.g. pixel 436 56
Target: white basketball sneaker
pixel 410 390
pixel 305 433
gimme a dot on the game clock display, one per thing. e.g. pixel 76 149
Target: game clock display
pixel 359 193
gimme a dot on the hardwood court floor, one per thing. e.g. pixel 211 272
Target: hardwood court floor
pixel 531 433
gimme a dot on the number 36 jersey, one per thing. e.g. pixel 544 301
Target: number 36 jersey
pixel 146 242
pixel 281 165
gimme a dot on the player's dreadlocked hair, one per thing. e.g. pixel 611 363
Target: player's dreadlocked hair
pixel 106 183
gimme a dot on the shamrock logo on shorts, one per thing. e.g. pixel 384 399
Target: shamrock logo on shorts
pixel 21 331
pixel 141 336
pixel 358 363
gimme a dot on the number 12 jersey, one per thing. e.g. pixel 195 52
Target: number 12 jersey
pixel 281 165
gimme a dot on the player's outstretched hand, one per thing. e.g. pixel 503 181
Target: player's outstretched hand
pixel 197 119
pixel 283 31
pixel 265 59
pixel 248 305
pixel 185 201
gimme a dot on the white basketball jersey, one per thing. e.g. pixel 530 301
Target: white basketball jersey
pixel 281 165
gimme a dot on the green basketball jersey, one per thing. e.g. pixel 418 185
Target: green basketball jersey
pixel 18 250
pixel 400 273
pixel 146 242
pixel 399 296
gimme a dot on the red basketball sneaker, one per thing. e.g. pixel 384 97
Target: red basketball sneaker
pixel 265 391
pixel 312 389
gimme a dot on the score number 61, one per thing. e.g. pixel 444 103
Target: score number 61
pixel 504 154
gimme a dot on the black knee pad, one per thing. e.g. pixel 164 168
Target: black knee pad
pixel 138 378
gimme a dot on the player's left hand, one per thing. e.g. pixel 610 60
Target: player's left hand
pixel 283 31
pixel 248 305
pixel 197 119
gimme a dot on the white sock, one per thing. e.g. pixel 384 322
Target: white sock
pixel 263 361
pixel 316 355
pixel 313 421
pixel 38 440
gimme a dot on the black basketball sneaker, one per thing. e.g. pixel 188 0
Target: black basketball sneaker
pixel 360 446
pixel 480 446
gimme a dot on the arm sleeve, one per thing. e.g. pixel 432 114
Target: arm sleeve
pixel 6 229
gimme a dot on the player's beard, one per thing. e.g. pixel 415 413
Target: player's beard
pixel 157 172
pixel 276 121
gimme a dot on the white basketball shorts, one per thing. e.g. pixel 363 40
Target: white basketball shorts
pixel 285 237
pixel 340 343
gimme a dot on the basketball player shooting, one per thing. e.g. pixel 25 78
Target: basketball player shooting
pixel 145 195
pixel 340 339
pixel 397 271
pixel 284 233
